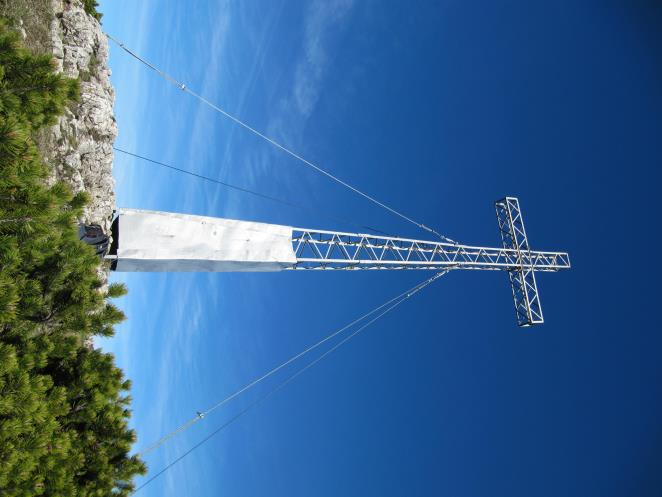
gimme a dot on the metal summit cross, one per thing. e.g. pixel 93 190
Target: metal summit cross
pixel 163 241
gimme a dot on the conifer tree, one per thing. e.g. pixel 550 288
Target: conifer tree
pixel 64 408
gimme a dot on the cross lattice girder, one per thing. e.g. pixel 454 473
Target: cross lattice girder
pixel 528 309
pixel 317 249
pixel 322 250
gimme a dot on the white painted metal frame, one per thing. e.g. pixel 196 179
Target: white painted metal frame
pixel 317 249
pixel 526 298
pixel 321 250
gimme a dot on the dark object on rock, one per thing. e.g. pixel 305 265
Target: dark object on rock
pixel 93 235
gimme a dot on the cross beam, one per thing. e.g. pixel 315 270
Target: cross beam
pixel 528 310
pixel 317 249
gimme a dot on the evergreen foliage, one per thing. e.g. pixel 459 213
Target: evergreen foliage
pixel 91 8
pixel 64 407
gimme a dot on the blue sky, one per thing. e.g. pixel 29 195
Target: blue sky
pixel 438 109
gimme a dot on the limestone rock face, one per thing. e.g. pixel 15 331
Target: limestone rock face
pixel 80 145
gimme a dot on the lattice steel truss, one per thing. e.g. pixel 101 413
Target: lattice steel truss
pixel 321 250
pixel 317 249
pixel 522 278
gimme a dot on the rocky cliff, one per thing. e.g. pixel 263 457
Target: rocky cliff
pixel 79 146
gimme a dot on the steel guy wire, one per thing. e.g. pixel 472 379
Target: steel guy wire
pixel 398 300
pixel 246 190
pixel 276 144
pixel 201 414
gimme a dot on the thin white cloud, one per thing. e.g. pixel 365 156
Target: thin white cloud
pixel 287 118
pixel 322 19
pixel 127 79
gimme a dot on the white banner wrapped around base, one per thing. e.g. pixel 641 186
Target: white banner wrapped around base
pixel 165 241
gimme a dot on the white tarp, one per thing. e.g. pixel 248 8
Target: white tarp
pixel 165 241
